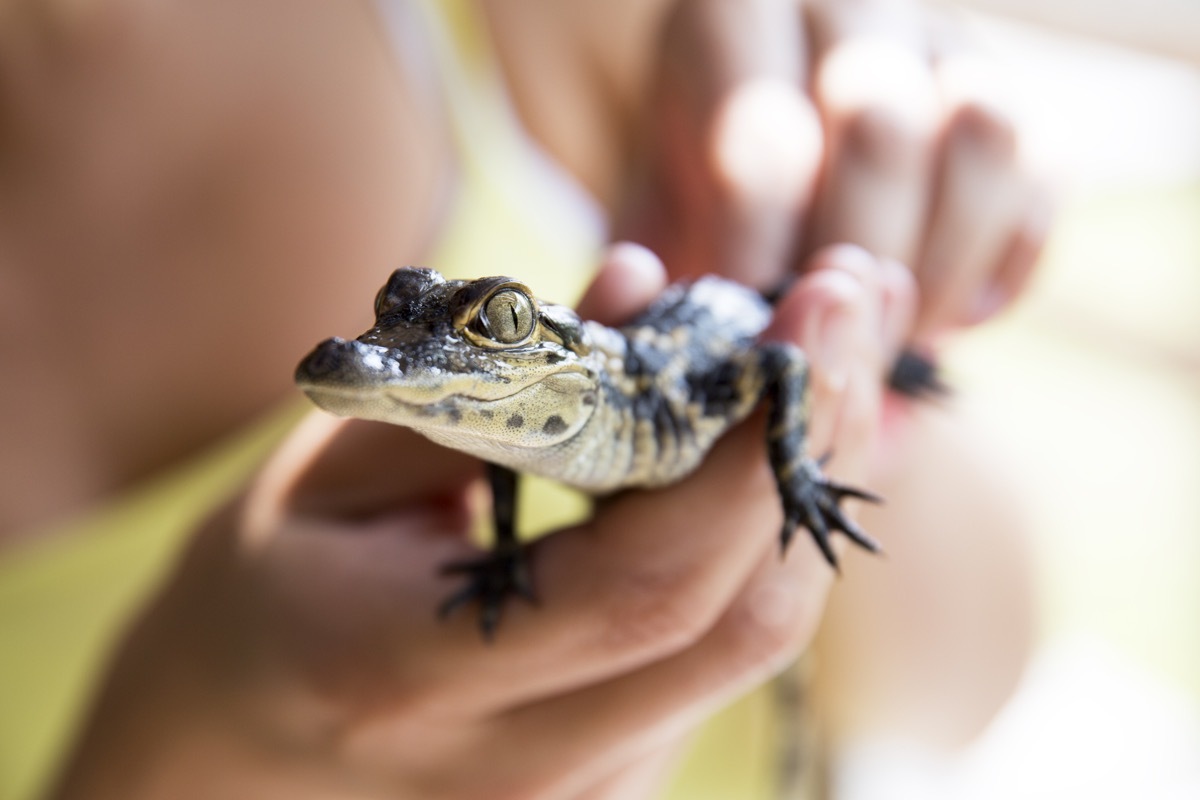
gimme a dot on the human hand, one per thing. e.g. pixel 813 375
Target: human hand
pixel 296 651
pixel 774 129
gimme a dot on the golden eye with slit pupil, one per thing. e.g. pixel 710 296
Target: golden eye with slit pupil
pixel 508 315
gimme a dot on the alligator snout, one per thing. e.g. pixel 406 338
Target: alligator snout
pixel 326 360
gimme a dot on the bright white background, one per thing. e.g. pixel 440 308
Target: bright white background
pixel 1090 391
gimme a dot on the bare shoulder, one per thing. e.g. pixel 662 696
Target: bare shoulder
pixel 196 192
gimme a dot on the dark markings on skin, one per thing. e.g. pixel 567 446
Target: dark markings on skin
pixel 631 364
pixel 681 426
pixel 563 323
pixel 676 374
pixel 613 396
pixel 716 389
pixel 487 413
pixel 645 360
pixel 647 406
pixel 664 426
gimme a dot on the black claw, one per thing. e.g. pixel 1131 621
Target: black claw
pixel 489 620
pixel 456 601
pixel 811 500
pixel 916 375
pixel 851 529
pixel 842 490
pixel 785 536
pixel 808 497
pixel 817 523
pixel 491 580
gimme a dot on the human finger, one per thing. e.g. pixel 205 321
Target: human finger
pixel 644 711
pixel 981 200
pixel 1018 258
pixel 899 295
pixel 641 580
pixel 878 101
pixel 629 278
pixel 823 313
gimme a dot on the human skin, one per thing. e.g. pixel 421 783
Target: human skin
pixel 320 157
pixel 166 209
pixel 177 197
pixel 295 652
pixel 764 129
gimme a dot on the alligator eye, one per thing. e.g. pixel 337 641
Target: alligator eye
pixel 508 316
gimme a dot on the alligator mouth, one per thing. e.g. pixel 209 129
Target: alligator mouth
pixel 399 402
pixel 350 378
pixel 408 398
pixel 343 392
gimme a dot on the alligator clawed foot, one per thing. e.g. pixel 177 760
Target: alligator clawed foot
pixel 812 501
pixel 491 580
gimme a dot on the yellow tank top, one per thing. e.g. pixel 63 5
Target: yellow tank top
pixel 65 598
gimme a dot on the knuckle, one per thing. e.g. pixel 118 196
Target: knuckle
pixel 883 136
pixel 986 128
pixel 656 613
pixel 769 627
pixel 881 100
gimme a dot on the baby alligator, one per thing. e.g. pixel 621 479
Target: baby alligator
pixel 484 367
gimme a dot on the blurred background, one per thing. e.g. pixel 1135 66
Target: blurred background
pixel 1090 390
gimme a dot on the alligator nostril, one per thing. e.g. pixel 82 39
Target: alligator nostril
pixel 329 356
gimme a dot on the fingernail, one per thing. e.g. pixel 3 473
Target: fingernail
pixel 899 304
pixel 832 346
pixel 836 347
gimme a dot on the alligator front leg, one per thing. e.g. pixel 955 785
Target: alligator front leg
pixel 809 498
pixel 493 578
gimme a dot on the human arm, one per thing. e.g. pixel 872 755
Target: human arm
pixel 770 129
pixel 295 649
